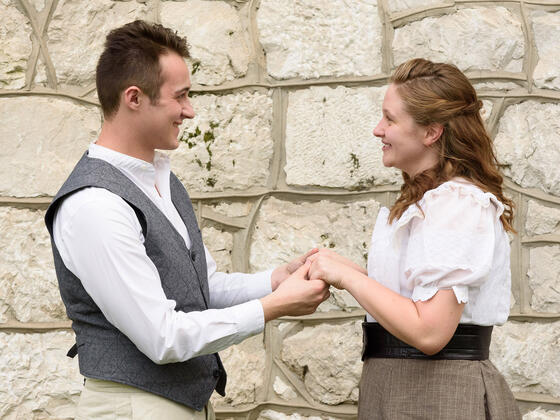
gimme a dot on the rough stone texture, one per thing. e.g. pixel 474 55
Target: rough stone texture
pixel 37 380
pixel 77 32
pixel 15 45
pixel 41 140
pixel 39 5
pixel 327 358
pixel 275 415
pixel 28 286
pixel 283 390
pixel 228 145
pixel 546 30
pixel 321 120
pixel 41 74
pixel 543 275
pixel 245 364
pixel 400 5
pixel 220 245
pixel 528 141
pixel 231 209
pixel 284 230
pixel 541 414
pixel 313 38
pixel 486 109
pixel 541 220
pixel 217 39
pixel 527 355
pixel 493 36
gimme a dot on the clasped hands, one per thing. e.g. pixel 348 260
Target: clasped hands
pixel 302 284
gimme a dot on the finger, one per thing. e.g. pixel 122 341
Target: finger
pixel 309 253
pixel 302 269
pixel 312 257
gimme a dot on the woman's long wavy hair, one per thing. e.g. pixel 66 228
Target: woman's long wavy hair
pixel 441 93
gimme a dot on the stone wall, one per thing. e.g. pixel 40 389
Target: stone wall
pixel 280 158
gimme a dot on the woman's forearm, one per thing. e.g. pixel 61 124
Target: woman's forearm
pixel 427 326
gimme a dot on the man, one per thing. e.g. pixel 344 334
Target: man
pixel 149 309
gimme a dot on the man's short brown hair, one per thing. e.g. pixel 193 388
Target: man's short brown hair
pixel 131 58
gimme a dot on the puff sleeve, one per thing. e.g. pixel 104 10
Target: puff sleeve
pixel 452 245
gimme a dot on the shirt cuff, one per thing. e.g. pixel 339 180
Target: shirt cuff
pixel 423 293
pixel 250 316
pixel 261 284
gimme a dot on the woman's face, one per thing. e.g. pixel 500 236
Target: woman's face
pixel 405 143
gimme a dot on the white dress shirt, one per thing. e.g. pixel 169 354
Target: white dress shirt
pixel 100 241
pixel 457 242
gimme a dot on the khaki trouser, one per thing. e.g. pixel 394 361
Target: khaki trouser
pixel 105 400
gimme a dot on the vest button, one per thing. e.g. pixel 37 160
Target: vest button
pixel 216 373
pixel 193 256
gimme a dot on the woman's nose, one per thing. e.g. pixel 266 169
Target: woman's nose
pixel 378 130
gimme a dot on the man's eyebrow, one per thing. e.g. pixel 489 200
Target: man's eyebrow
pixel 184 90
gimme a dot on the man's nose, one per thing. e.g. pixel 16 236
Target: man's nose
pixel 187 111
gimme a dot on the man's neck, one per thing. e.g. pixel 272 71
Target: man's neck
pixel 114 136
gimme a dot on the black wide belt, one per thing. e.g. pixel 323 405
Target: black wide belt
pixel 469 342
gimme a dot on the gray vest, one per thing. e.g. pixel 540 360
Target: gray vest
pixel 105 352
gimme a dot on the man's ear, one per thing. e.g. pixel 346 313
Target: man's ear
pixel 433 133
pixel 132 97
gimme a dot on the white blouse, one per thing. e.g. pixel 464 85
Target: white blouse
pixel 458 243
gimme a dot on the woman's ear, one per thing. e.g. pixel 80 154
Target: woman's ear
pixel 132 97
pixel 433 133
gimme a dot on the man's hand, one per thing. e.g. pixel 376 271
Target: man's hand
pixel 282 272
pixel 295 296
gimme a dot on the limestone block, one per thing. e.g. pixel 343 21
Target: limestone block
pixel 472 39
pixel 486 109
pixel 228 145
pixel 400 5
pixel 284 230
pixel 327 358
pixel 329 139
pixel 233 209
pixel 541 220
pixel 527 355
pixel 41 74
pixel 77 32
pixel 29 290
pixel 15 45
pixel 245 364
pixel 543 275
pixel 275 415
pixel 37 380
pixel 283 390
pixel 41 140
pixel 546 29
pixel 314 38
pixel 295 239
pixel 39 5
pixel 220 245
pixel 218 40
pixel 528 142
pixel 541 414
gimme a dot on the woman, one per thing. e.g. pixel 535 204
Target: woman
pixel 438 274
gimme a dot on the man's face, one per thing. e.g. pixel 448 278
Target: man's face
pixel 161 119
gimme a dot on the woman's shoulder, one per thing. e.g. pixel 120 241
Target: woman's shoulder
pixel 462 193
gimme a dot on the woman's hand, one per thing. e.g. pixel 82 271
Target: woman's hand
pixel 330 269
pixel 331 254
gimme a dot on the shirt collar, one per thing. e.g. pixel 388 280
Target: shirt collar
pixel 139 170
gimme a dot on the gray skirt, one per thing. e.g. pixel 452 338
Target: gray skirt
pixel 395 389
